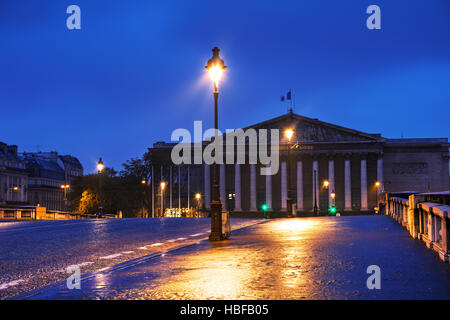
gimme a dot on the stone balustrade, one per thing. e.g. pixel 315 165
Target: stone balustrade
pixel 40 213
pixel 427 221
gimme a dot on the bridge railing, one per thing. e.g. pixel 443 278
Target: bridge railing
pixel 427 221
pixel 41 213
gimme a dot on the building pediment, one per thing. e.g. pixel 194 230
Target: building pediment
pixel 308 130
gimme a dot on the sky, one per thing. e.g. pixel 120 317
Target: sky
pixel 135 71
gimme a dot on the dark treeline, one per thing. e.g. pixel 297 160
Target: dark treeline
pixel 125 191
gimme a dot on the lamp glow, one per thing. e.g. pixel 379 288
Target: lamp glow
pixel 216 67
pixel 100 165
pixel 289 133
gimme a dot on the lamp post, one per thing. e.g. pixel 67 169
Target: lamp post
pixel 378 185
pixel 198 196
pixel 143 182
pixel 64 187
pixel 289 133
pixel 216 67
pixel 315 192
pixel 100 167
pixel 326 184
pixel 163 186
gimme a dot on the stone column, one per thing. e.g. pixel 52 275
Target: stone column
pixel 331 186
pixel 299 185
pixel 348 186
pixel 283 186
pixel 380 169
pixel 207 187
pixel 430 227
pixel 444 235
pixel 222 187
pixel 269 192
pixel 237 187
pixel 253 188
pixel 364 206
pixel 316 185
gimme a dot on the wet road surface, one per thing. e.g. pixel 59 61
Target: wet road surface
pixel 302 258
pixel 36 253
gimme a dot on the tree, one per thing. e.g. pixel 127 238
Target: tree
pixel 88 202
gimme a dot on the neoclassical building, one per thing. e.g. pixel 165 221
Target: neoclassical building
pixel 351 161
pixel 13 177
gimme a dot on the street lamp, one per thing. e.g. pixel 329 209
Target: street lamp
pixel 216 67
pixel 378 185
pixel 65 187
pixel 198 196
pixel 288 133
pixel 100 167
pixel 163 186
pixel 326 183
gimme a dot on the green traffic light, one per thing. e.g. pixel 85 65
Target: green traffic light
pixel 264 207
pixel 333 210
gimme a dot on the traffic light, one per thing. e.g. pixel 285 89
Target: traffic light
pixel 264 207
pixel 332 210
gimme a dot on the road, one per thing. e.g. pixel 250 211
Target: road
pixel 36 253
pixel 302 258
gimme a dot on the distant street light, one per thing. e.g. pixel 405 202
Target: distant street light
pixel 378 185
pixel 326 183
pixel 65 187
pixel 163 186
pixel 288 133
pixel 100 167
pixel 216 67
pixel 198 197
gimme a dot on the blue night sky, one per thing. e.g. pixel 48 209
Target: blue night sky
pixel 135 71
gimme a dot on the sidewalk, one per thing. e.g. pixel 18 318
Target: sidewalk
pixel 302 258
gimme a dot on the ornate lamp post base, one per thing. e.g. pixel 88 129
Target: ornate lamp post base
pixel 216 221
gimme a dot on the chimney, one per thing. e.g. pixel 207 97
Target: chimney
pixel 13 150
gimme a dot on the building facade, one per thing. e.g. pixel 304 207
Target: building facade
pixel 13 177
pixel 48 172
pixel 358 166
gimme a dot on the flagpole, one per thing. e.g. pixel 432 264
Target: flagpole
pixel 179 189
pixel 161 202
pixel 170 185
pixel 189 189
pixel 153 193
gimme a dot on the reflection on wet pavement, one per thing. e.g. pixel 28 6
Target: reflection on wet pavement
pixel 303 258
pixel 36 253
